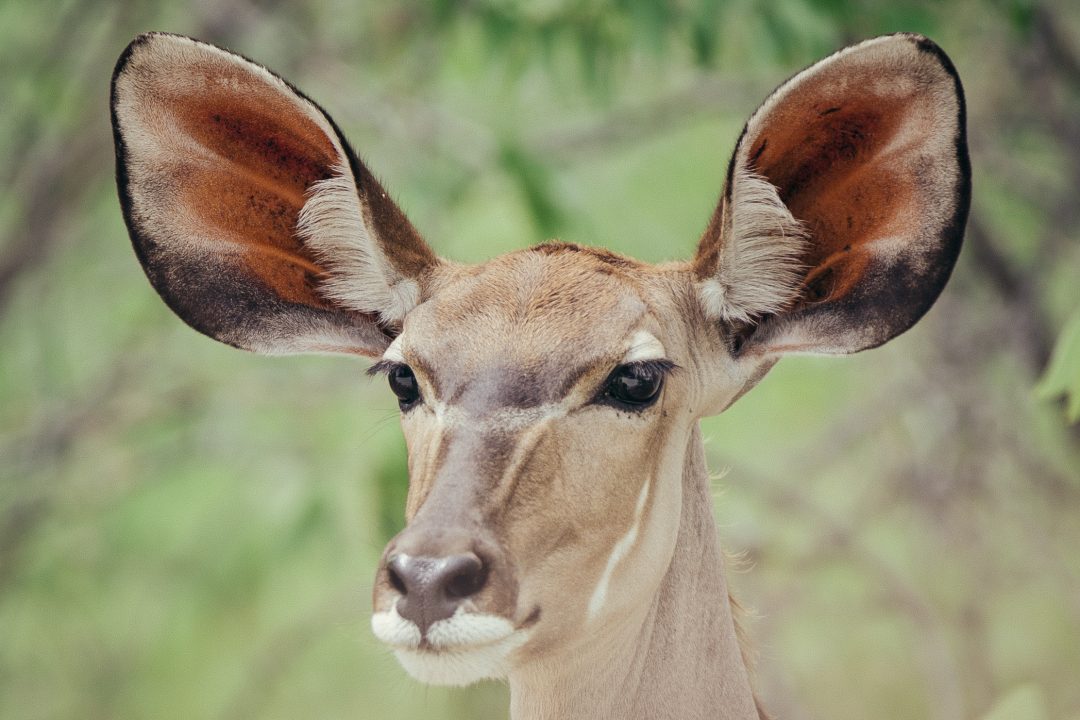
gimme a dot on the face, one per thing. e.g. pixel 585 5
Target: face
pixel 546 411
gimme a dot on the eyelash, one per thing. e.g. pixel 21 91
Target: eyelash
pixel 623 389
pixel 382 367
pixel 402 382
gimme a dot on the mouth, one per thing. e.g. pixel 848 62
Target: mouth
pixel 458 650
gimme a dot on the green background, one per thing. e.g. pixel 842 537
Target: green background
pixel 188 531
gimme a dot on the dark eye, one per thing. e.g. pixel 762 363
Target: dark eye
pixel 636 384
pixel 403 383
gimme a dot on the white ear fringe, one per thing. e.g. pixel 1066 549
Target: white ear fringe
pixel 333 226
pixel 759 270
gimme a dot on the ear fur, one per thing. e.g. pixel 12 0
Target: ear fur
pixel 845 203
pixel 759 267
pixel 252 217
pixel 359 276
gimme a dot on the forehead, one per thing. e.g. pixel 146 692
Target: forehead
pixel 546 312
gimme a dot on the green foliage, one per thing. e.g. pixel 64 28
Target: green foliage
pixel 1024 703
pixel 188 531
pixel 532 179
pixel 391 481
pixel 1062 377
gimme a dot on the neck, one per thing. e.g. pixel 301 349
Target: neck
pixel 682 661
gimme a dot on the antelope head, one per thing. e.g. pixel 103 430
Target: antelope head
pixel 559 522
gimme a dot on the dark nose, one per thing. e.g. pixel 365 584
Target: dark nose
pixel 432 588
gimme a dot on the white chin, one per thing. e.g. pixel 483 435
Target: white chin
pixel 457 667
pixel 460 650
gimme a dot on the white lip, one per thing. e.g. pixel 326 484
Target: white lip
pixel 394 630
pixel 458 650
pixel 465 630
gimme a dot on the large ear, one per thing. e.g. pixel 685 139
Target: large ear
pixel 251 215
pixel 845 203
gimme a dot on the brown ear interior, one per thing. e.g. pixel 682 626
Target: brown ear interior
pixel 867 150
pixel 216 157
pixel 246 167
pixel 843 163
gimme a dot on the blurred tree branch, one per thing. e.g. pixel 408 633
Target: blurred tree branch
pixel 275 656
pixel 940 672
pixel 61 176
pixel 1047 28
pixel 45 445
pixel 1017 292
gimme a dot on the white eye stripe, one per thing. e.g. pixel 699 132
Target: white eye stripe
pixel 393 353
pixel 644 346
pixel 619 551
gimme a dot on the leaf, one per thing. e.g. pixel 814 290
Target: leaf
pixel 1021 13
pixel 535 185
pixel 1025 702
pixel 705 33
pixel 1062 376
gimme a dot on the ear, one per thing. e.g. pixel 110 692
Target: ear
pixel 252 217
pixel 845 203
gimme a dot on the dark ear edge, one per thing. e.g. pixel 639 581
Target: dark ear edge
pixel 251 315
pixel 895 288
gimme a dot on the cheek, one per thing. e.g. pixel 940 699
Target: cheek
pixel 576 501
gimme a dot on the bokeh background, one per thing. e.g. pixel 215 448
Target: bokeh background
pixel 188 531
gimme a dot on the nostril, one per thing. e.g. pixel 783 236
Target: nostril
pixel 464 585
pixel 466 576
pixel 394 575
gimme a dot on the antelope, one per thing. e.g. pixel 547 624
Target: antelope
pixel 560 530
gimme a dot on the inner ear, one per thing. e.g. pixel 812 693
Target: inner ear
pixel 840 163
pixel 248 168
pixel 846 201
pixel 252 217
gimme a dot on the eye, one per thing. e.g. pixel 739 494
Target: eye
pixel 403 383
pixel 637 385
